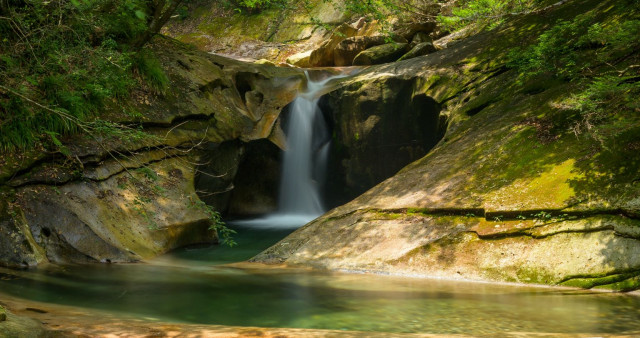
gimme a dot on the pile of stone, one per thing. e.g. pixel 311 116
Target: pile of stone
pixel 358 44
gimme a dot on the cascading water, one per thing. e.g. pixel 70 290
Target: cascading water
pixel 306 135
pixel 304 163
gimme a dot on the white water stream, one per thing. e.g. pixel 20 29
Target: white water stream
pixel 304 164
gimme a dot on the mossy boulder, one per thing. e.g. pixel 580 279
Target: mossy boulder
pixel 20 326
pixel 380 54
pixel 419 49
pixel 408 30
pixel 347 49
pixel 123 198
pixel 508 194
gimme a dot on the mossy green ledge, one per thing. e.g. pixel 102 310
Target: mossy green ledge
pixel 510 194
pixel 120 199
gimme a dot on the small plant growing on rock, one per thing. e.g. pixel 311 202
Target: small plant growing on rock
pixel 224 233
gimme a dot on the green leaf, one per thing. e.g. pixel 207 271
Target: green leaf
pixel 140 14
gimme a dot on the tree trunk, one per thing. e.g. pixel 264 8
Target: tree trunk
pixel 162 12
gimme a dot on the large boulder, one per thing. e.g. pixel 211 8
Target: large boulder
pixel 380 54
pixel 301 60
pixel 420 49
pixel 347 49
pixel 409 29
pixel 324 55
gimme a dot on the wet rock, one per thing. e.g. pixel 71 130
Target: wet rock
pixel 380 54
pixel 257 182
pixel 18 249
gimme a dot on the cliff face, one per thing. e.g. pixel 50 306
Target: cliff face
pixel 511 193
pixel 120 198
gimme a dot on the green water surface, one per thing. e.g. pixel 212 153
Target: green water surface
pixel 190 286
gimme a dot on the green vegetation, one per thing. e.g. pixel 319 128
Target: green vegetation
pixel 490 13
pixel 216 221
pixel 601 58
pixel 63 61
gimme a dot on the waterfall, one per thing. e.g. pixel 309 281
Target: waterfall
pixel 304 162
pixel 307 141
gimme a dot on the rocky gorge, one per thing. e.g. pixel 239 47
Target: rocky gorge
pixel 445 161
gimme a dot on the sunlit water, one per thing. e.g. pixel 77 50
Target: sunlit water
pixel 187 286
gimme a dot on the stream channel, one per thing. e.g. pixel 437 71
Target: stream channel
pixel 197 285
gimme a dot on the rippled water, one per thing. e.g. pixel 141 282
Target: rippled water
pixel 187 286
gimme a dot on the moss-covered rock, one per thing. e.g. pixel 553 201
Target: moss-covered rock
pixel 509 193
pixel 380 126
pixel 125 198
pixel 420 49
pixel 18 249
pixel 273 34
pixel 19 326
pixel 347 49
pixel 388 52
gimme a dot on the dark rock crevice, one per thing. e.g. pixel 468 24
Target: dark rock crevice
pixel 378 128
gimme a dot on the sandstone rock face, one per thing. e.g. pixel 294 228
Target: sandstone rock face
pixel 301 60
pixel 273 34
pixel 380 54
pixel 324 55
pixel 127 199
pixel 508 194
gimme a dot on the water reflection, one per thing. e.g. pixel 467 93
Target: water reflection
pixel 229 296
pixel 190 286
